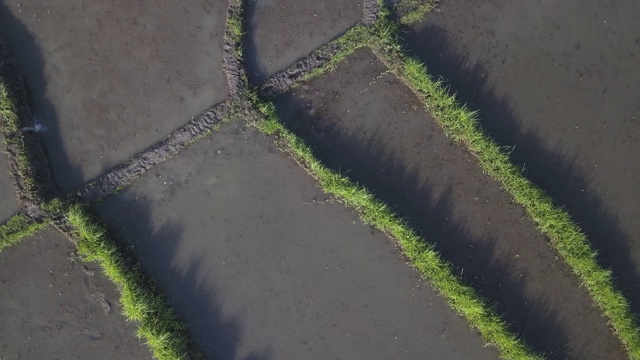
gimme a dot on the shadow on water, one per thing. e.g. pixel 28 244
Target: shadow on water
pixel 30 61
pixel 193 299
pixel 557 175
pixel 369 162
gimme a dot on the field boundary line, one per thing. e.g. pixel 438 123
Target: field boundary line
pixel 128 172
pixel 318 62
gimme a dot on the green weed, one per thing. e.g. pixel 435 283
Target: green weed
pixel 415 10
pixel 235 29
pixel 16 229
pixel 157 323
pixel 10 125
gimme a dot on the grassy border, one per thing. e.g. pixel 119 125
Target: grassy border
pixel 234 27
pixel 462 298
pixel 16 229
pixel 460 124
pixel 10 126
pixel 157 323
pixel 234 35
pixel 415 10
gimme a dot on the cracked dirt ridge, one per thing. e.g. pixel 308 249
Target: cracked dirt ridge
pixel 123 175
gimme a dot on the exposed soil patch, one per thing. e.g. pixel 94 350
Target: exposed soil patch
pixel 53 306
pixel 560 81
pixel 262 264
pixel 366 124
pixel 279 32
pixel 370 11
pixel 106 79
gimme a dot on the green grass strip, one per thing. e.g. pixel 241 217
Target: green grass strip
pixel 234 26
pixel 415 10
pixel 461 125
pixel 157 323
pixel 421 255
pixel 11 127
pixel 16 229
pixel 234 31
pixel 8 110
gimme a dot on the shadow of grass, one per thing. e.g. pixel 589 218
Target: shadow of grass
pixel 194 300
pixel 555 173
pixel 369 161
pixel 30 62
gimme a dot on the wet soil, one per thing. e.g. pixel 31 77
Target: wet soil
pixel 53 306
pixel 363 122
pixel 560 81
pixel 110 80
pixel 261 264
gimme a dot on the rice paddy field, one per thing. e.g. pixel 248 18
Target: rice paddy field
pixel 275 179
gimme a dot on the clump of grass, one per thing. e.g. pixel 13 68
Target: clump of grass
pixel 234 26
pixel 11 126
pixel 16 229
pixel 234 34
pixel 8 110
pixel 415 10
pixel 157 323
pixel 421 255
pixel 461 125
pixel 54 207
